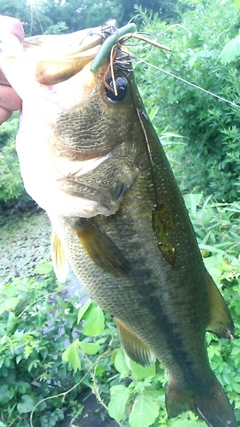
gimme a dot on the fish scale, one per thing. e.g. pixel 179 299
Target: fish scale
pixel 93 161
pixel 126 230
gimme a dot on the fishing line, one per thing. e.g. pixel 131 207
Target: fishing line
pixel 189 83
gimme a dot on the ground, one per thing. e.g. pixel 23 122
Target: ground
pixel 91 415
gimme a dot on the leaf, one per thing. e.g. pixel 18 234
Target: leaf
pixel 44 268
pixel 187 423
pixel 22 387
pixel 211 249
pixel 231 51
pixel 144 412
pixel 120 363
pixel 235 387
pixel 192 201
pixel 82 310
pixel 71 355
pixel 26 405
pixel 9 304
pixel 118 400
pixel 6 394
pixel 237 3
pixel 89 348
pixel 94 325
pixel 139 371
pixel 19 358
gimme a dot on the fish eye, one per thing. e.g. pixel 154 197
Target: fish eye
pixel 121 84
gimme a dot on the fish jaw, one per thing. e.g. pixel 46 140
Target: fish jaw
pixel 47 59
pixel 43 62
pixel 55 82
pixel 57 147
pixel 49 95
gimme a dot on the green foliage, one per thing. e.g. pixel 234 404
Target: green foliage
pixel 77 14
pixel 29 358
pixel 143 398
pixel 51 348
pixel 33 18
pixel 11 185
pixel 216 225
pixel 231 51
pixel 209 161
pixel 54 17
pixel 44 353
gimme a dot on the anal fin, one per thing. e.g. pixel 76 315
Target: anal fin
pixel 133 346
pixel 221 322
pixel 59 259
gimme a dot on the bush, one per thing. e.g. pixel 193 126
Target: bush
pixel 11 184
pixel 45 358
pixel 210 126
pixel 51 347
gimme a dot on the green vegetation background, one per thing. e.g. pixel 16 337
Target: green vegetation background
pixel 50 348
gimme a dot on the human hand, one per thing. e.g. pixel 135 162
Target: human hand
pixel 9 100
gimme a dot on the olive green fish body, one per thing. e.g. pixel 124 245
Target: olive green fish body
pixel 164 302
pixel 158 302
pixel 93 161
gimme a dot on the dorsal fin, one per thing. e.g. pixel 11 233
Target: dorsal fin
pixel 220 322
pixel 59 259
pixel 101 249
pixel 133 346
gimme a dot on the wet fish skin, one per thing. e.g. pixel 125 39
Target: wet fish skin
pixel 120 221
pixel 117 259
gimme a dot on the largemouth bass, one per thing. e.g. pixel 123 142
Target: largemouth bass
pixel 90 157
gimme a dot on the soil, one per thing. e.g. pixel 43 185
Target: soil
pixel 92 415
pixel 24 243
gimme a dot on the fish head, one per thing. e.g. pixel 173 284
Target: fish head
pixel 76 115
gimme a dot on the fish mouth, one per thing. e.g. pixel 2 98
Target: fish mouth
pixel 59 57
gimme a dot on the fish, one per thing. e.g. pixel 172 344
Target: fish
pixel 91 158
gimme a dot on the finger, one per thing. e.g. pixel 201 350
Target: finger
pixel 9 100
pixel 3 80
pixel 9 25
pixel 4 115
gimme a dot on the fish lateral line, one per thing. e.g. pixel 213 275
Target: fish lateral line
pixel 161 217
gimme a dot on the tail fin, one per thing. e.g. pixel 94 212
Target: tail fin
pixel 213 405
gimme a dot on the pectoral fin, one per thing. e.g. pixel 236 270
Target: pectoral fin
pixel 59 259
pixel 133 346
pixel 102 250
pixel 221 322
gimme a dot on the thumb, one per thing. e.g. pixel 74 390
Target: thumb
pixel 13 26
